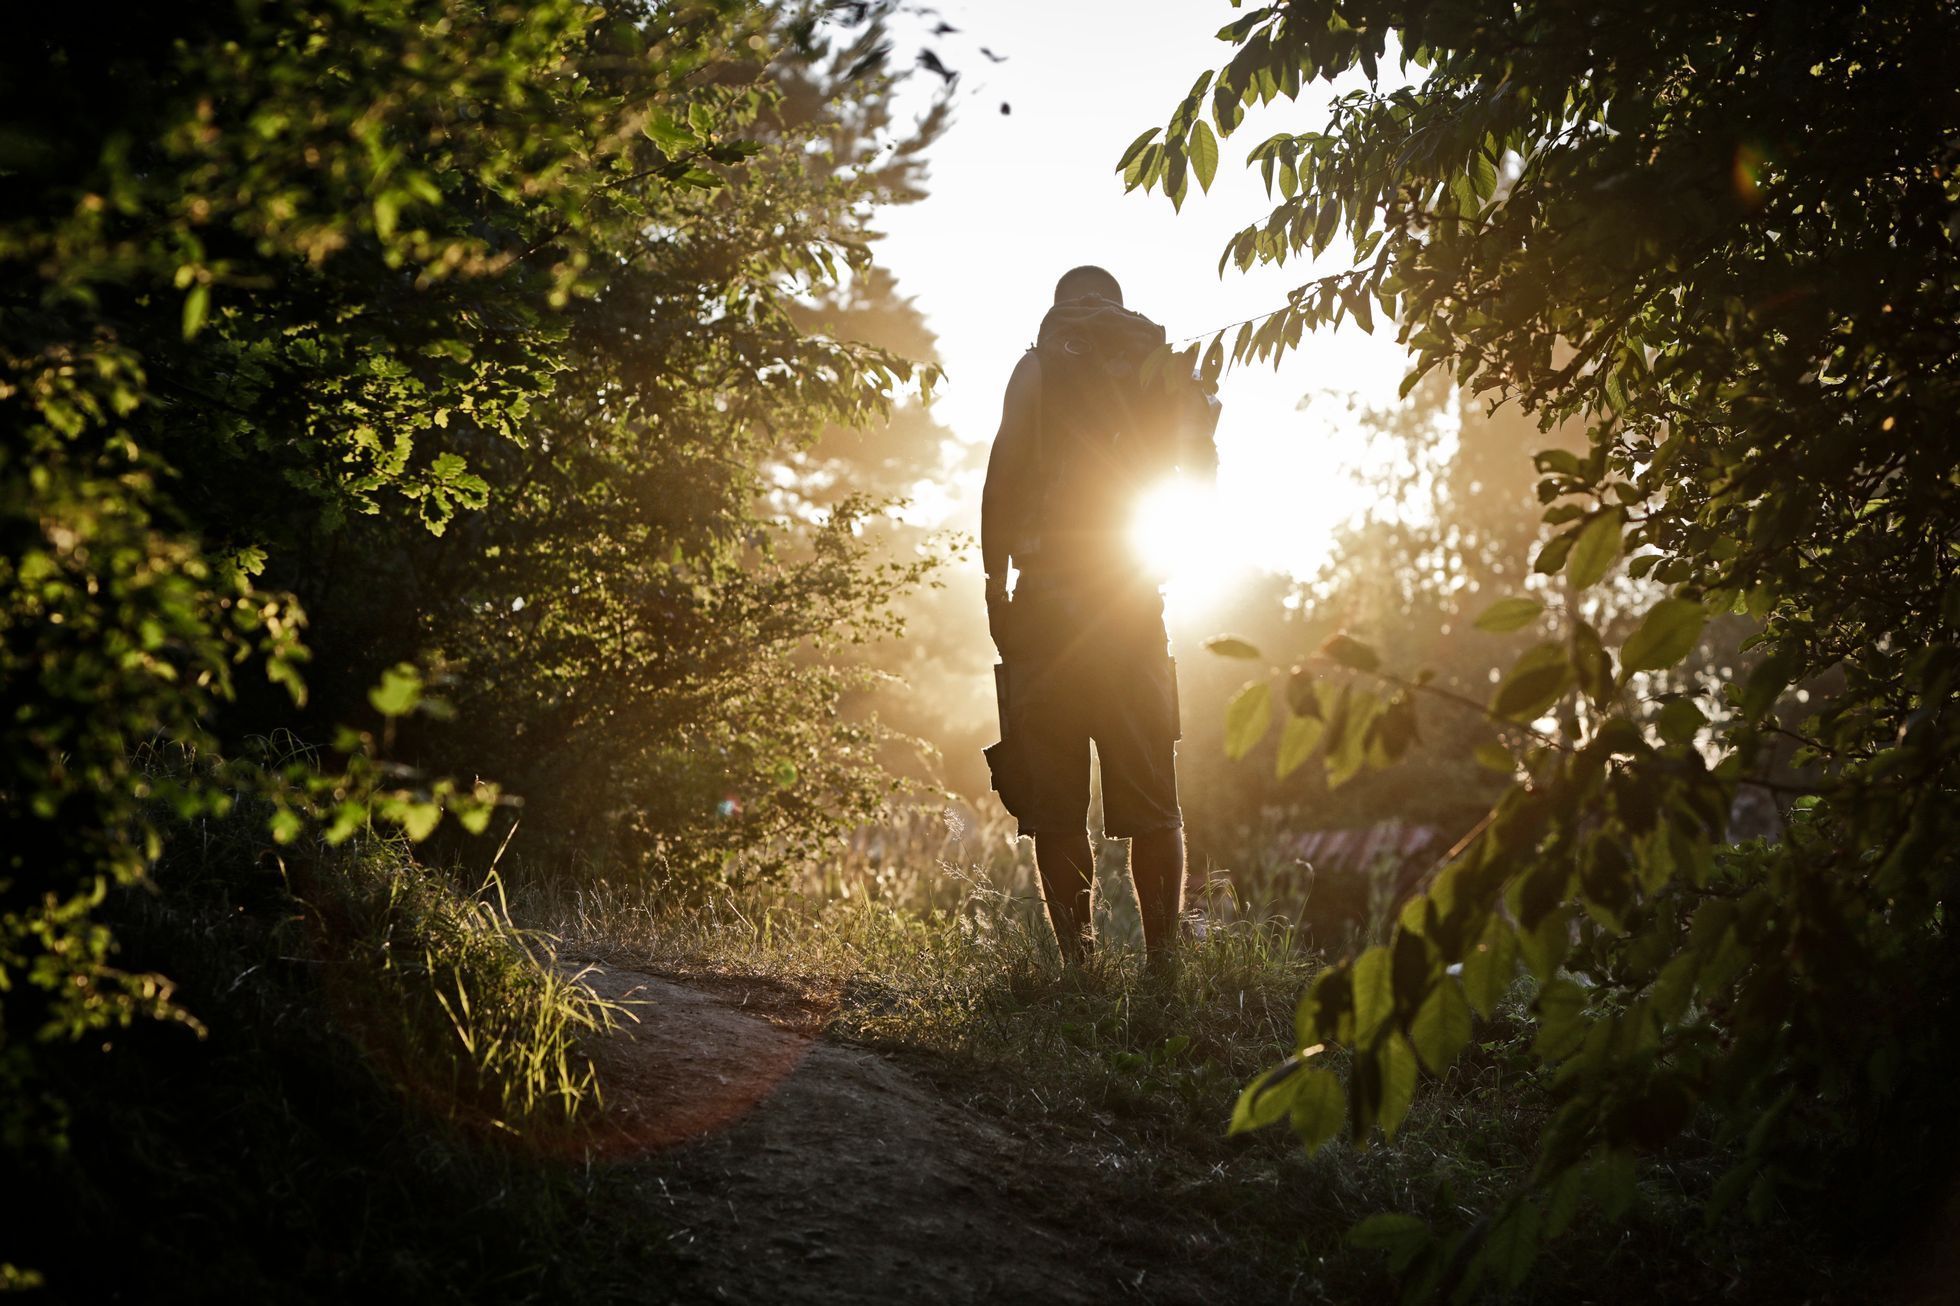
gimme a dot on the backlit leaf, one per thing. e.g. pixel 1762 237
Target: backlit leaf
pixel 1596 549
pixel 1509 614
pixel 1246 718
pixel 1667 634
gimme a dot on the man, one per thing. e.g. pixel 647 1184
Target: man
pixel 1084 655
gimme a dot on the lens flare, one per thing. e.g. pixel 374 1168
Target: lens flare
pixel 1182 537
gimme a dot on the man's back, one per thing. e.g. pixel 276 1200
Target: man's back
pixel 1084 655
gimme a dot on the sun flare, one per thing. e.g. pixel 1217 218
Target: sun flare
pixel 1181 534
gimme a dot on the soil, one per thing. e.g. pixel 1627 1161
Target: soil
pixel 787 1168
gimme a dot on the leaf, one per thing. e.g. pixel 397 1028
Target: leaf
pixel 1507 615
pixel 399 691
pixel 1203 148
pixel 1560 461
pixel 1246 718
pixel 1490 966
pixel 1319 1108
pixel 1296 743
pixel 1534 683
pixel 1551 559
pixel 285 825
pixel 1493 756
pixel 1269 1098
pixel 196 305
pixel 1399 1074
pixel 1513 1244
pixel 1136 148
pixel 1596 549
pixel 1231 646
pixel 1561 1011
pixel 1402 1237
pixel 1302 696
pixel 418 820
pixel 1350 652
pixel 1374 992
pixel 1673 988
pixel 1667 635
pixel 1679 720
pixel 1441 1026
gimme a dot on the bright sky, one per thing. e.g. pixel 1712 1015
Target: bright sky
pixel 1015 199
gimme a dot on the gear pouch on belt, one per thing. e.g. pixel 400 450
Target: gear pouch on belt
pixel 1007 760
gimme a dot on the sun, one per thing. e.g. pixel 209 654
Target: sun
pixel 1182 534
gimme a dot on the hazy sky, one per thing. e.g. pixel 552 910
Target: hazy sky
pixel 1017 198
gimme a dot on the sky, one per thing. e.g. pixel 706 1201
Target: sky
pixel 1014 199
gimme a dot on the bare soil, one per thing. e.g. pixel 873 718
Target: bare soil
pixel 787 1168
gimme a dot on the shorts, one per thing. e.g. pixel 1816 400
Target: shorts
pixel 1078 671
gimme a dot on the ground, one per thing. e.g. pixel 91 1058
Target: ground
pixel 787 1163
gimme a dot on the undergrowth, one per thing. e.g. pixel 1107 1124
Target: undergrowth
pixel 927 941
pixel 384 1101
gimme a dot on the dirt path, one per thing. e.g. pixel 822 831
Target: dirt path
pixel 789 1169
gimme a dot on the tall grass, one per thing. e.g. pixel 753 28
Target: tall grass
pixel 461 1007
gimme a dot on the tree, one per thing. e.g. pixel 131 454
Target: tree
pixel 1721 238
pixel 387 314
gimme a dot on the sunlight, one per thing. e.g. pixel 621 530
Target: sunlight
pixel 1181 534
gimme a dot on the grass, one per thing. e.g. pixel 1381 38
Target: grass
pixel 390 1075
pixel 390 1100
pixel 927 942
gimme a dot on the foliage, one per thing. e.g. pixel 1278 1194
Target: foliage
pixel 1764 366
pixel 332 1136
pixel 291 296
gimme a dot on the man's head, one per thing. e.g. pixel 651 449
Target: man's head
pixel 1087 280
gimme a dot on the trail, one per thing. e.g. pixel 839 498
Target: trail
pixel 790 1169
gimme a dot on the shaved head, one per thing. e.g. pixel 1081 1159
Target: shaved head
pixel 1087 280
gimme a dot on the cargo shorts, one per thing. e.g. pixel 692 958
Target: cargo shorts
pixel 1080 669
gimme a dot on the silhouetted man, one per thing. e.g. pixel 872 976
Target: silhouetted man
pixel 1084 655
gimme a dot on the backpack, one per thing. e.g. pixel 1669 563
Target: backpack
pixel 1106 434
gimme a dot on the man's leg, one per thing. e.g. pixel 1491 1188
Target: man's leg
pixel 1067 870
pixel 1157 866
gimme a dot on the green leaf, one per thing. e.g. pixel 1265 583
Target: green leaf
pixel 1203 148
pixel 1231 646
pixel 1507 615
pixel 1441 1026
pixel 1490 966
pixel 1319 1108
pixel 418 820
pixel 1493 756
pixel 1551 559
pixel 399 691
pixel 1679 720
pixel 1399 1074
pixel 1269 1098
pixel 1596 549
pixel 1401 1237
pixel 1296 743
pixel 1673 988
pixel 285 825
pixel 1668 634
pixel 1374 992
pixel 196 305
pixel 1350 652
pixel 1246 718
pixel 1561 1011
pixel 1563 462
pixel 1136 148
pixel 1513 1244
pixel 1534 683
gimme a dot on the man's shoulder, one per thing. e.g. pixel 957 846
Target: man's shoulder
pixel 1024 382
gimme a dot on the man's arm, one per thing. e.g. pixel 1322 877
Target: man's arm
pixel 1011 467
